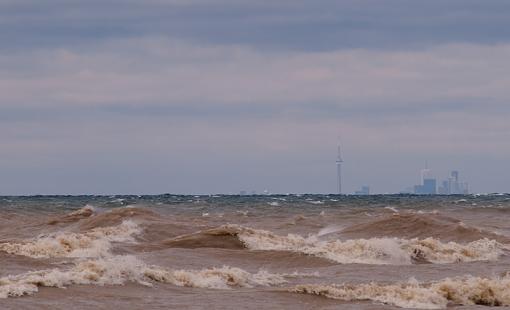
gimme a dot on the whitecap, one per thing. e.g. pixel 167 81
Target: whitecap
pixel 466 291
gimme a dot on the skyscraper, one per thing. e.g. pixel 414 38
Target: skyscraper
pixel 339 162
pixel 455 175
pixel 428 185
pixel 452 186
pixel 365 190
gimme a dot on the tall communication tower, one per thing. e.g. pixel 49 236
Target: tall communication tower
pixel 339 162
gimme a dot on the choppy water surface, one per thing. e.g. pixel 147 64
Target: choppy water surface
pixel 252 252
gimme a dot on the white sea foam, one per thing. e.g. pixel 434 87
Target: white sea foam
pixel 216 278
pixel 371 251
pixel 435 212
pixel 316 202
pixel 393 209
pixel 94 243
pixel 434 251
pixel 436 295
pixel 329 230
pixel 117 270
pixel 297 274
pixel 87 210
pixel 109 271
pixel 243 213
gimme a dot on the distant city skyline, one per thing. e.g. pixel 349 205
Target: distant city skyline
pixel 428 185
pixel 217 96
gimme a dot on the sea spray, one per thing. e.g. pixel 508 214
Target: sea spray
pixel 118 270
pixel 94 243
pixel 396 251
pixel 468 290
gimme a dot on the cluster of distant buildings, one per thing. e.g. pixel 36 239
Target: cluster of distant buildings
pixel 450 186
pixel 430 186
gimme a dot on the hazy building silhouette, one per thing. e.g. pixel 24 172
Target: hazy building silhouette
pixel 365 190
pixel 428 185
pixel 444 189
pixel 453 186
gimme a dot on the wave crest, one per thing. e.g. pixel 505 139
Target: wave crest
pixel 434 251
pixel 217 278
pixel 420 225
pixel 94 243
pixel 436 295
pixel 74 216
pixel 360 251
pixel 116 216
pixel 119 270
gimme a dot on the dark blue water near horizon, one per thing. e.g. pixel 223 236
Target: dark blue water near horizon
pixel 261 202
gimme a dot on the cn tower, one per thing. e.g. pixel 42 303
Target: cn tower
pixel 339 162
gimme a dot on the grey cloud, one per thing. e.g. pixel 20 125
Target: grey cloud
pixel 160 76
pixel 298 24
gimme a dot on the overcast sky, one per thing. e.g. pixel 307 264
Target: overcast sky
pixel 192 96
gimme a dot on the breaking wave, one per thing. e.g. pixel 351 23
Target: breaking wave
pixel 436 295
pixel 225 237
pixel 94 243
pixel 420 225
pixel 119 270
pixel 90 217
pixel 116 216
pixel 75 216
pixel 361 251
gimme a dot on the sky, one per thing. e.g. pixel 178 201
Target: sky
pixel 219 96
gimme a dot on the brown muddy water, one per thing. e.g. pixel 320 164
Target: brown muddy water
pixel 254 252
